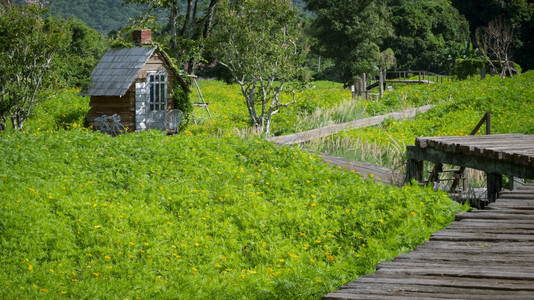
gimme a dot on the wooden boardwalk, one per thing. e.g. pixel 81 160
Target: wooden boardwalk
pixel 318 133
pixel 379 174
pixel 484 254
pixel 496 154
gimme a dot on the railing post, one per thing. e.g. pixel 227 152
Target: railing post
pixel 488 122
pixel 414 170
pixel 494 186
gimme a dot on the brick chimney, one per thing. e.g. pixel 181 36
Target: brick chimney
pixel 142 37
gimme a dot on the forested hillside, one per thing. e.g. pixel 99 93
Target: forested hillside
pixel 102 15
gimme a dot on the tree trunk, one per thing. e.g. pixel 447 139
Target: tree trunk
pixel 17 121
pixel 185 27
pixel 173 25
pixel 3 121
pixel 209 18
pixel 250 97
pixel 381 81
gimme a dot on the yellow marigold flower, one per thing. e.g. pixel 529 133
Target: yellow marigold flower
pixel 313 205
pixel 30 267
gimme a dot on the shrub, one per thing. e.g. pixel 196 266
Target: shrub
pixel 464 68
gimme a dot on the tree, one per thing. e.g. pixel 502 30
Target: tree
pixel 82 54
pixel 428 34
pixel 494 42
pixel 518 13
pixel 28 45
pixel 350 32
pixel 258 42
pixel 185 31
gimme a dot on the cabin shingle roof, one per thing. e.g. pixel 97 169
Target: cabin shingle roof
pixel 117 69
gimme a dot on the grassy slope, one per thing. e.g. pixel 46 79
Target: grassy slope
pixel 227 106
pixel 150 216
pixel 461 104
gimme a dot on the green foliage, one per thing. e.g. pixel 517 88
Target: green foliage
pixel 464 68
pixel 86 215
pixel 29 45
pixel 66 110
pixel 264 56
pixel 182 101
pixel 519 13
pixel 429 35
pixel 350 32
pixel 82 55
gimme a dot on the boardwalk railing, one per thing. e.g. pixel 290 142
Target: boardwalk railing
pixel 485 119
pixel 362 86
pixel 459 174
pixel 422 76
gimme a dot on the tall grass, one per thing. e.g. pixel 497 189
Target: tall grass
pixel 321 117
pixel 389 155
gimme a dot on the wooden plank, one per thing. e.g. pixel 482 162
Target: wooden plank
pixel 448 264
pixel 444 281
pixel 494 215
pixel 424 290
pixel 470 256
pixel 420 293
pixel 472 161
pixel 481 237
pixel 463 272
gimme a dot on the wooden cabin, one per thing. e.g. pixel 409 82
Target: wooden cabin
pixel 136 84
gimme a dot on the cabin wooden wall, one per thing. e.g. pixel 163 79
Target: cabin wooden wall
pixel 108 105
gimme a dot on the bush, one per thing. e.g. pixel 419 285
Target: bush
pixel 464 68
pixel 182 102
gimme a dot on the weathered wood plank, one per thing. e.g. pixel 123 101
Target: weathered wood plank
pixel 463 272
pixel 380 291
pixel 447 265
pixel 410 289
pixel 444 281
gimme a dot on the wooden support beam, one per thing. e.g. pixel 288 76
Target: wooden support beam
pixel 414 169
pixel 486 164
pixel 494 186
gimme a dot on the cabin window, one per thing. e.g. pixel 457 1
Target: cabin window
pixel 157 83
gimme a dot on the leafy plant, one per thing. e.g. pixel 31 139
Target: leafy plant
pixel 145 215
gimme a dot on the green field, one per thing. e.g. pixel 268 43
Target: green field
pixel 86 215
pixel 208 214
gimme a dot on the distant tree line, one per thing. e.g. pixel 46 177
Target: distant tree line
pixel 286 41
